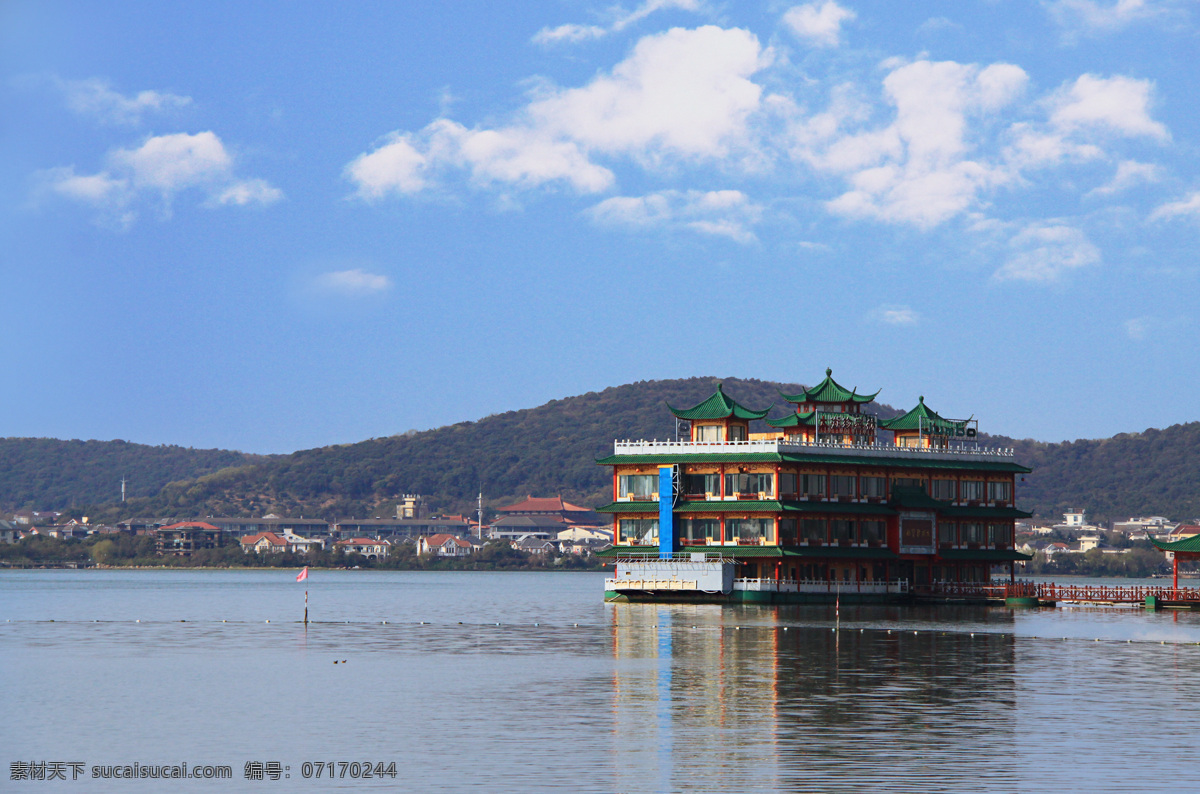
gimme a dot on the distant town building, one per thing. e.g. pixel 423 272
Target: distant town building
pixel 304 527
pixel 278 543
pixel 186 537
pixel 1073 518
pixel 412 506
pixel 400 528
pixel 445 545
pixel 368 547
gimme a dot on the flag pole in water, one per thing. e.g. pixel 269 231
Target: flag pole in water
pixel 837 608
pixel 301 577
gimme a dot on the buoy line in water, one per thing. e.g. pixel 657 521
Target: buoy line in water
pixel 550 626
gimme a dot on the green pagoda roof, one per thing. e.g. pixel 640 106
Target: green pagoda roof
pixel 829 391
pixel 719 406
pixel 807 419
pixel 922 416
pixel 1187 544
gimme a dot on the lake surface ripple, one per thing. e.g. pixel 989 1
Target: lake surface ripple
pixel 519 681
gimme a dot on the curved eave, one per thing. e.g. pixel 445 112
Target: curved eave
pixel 793 420
pixel 1191 544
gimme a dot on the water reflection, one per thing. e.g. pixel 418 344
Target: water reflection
pixel 762 699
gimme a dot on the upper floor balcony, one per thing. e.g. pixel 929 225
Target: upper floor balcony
pixel 878 449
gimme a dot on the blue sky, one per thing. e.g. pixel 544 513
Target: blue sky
pixel 272 226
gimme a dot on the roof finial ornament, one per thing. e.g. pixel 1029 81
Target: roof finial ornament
pixel 828 371
pixel 921 399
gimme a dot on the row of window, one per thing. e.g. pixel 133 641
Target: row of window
pixel 717 433
pixel 644 486
pixel 974 533
pixel 644 531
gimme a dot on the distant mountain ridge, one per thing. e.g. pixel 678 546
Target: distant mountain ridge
pixel 546 450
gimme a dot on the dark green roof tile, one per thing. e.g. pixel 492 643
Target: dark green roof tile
pixel 921 417
pixel 719 406
pixel 829 391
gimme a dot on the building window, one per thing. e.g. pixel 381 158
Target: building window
pixel 813 530
pixel 972 533
pixel 873 532
pixel 787 532
pixel 946 533
pixel 749 484
pixel 709 433
pixel 701 484
pixel 812 484
pixel 972 490
pixel 787 483
pixel 843 530
pixel 699 530
pixel 639 486
pixel 842 485
pixel 943 489
pixel 908 482
pixel 873 486
pixel 999 491
pixel 639 531
pixel 748 530
pixel 1000 535
pixel 737 432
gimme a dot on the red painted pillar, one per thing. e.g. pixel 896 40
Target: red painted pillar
pixel 1175 571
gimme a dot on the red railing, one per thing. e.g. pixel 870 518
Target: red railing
pixel 1049 591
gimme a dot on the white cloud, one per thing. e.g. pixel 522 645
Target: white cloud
pixel 1186 207
pixel 98 189
pixel 163 165
pixel 1138 328
pixel 1130 173
pixel 170 163
pixel 890 314
pixel 395 166
pixel 569 33
pixel 820 24
pixel 1044 252
pixel 249 191
pixel 682 94
pixel 916 169
pixel 722 213
pixel 352 283
pixel 572 33
pixel 1096 17
pixel 1118 104
pixel 1080 116
pixel 96 97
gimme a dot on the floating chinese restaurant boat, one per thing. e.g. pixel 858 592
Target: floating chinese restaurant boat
pixel 819 508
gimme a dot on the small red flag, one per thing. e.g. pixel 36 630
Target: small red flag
pixel 300 577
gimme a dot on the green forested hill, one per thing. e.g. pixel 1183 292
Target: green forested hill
pixel 1155 472
pixel 551 449
pixel 48 474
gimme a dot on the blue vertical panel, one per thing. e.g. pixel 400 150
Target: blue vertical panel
pixel 666 507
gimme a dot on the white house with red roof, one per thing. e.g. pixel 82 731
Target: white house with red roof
pixel 368 547
pixel 268 542
pixel 444 545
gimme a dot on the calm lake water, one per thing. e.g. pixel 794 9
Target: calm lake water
pixel 520 681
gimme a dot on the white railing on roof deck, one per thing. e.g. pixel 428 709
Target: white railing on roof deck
pixel 779 445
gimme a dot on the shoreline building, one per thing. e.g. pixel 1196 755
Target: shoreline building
pixel 544 518
pixel 822 508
